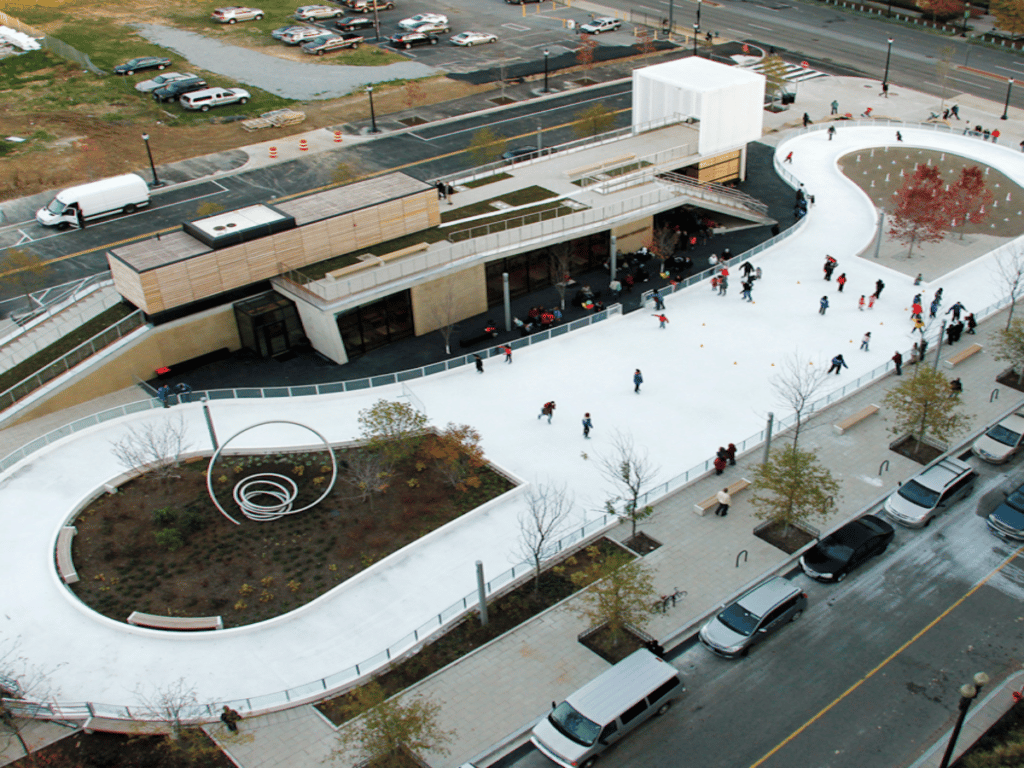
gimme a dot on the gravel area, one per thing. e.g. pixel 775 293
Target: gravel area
pixel 292 80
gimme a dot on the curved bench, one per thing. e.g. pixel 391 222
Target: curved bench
pixel 186 623
pixel 65 565
pixel 701 508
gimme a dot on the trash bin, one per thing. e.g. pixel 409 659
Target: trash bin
pixel 788 98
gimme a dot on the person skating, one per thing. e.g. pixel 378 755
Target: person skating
pixel 659 303
pixel 860 304
pixel 789 158
pixel 919 325
pixel 933 310
pixel 747 269
pixel 899 136
pixel 919 279
pixel 479 363
pixel 724 500
pixel 831 132
pixel 587 425
pixel 508 353
pixel 865 341
pixel 823 305
pixel 871 301
pixel 747 286
pixel 723 285
pixel 661 319
pixel 830 265
pixel 841 281
pixel 879 285
pixel 916 310
pixel 837 365
pixel 548 409
pixel 897 360
pixel 638 379
pixel 956 309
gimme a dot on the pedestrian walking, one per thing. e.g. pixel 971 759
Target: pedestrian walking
pixel 995 135
pixel 918 279
pixel 879 285
pixel 807 119
pixel 730 454
pixel 724 500
pixel 871 301
pixel 440 190
pixel 508 353
pixel 184 392
pixel 955 388
pixel 661 319
pixel 164 394
pixel 587 425
pixel 945 114
pixel 954 111
pixel 897 360
pixel 835 107
pixel 659 303
pixel 860 304
pixel 449 192
pixel 789 158
pixel 899 136
pixel 841 281
pixel 958 330
pixel 865 341
pixel 748 286
pixel 638 379
pixel 955 310
pixel 548 409
pixel 757 273
pixel 915 354
pixel 837 365
pixel 924 346
pixel 479 363
pixel 230 718
pixel 971 323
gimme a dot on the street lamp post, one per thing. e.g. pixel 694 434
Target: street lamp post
pixel 156 181
pixel 1006 106
pixel 968 693
pixel 373 115
pixel 888 58
pixel 698 13
pixel 695 29
pixel 888 13
pixel 546 53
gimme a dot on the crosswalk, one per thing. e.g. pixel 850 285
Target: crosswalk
pixel 794 72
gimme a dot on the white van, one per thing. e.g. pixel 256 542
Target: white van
pixel 607 708
pixel 100 198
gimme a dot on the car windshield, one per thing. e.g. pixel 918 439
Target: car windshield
pixel 917 494
pixel 55 206
pixel 1001 434
pixel 573 725
pixel 738 619
pixel 1016 499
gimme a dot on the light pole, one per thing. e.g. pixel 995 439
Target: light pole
pixel 885 80
pixel 373 115
pixel 1006 106
pixel 695 28
pixel 546 53
pixel 967 15
pixel 156 181
pixel 698 13
pixel 968 693
pixel 888 13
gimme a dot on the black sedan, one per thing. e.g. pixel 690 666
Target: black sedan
pixel 354 23
pixel 409 39
pixel 1007 521
pixel 842 551
pixel 132 66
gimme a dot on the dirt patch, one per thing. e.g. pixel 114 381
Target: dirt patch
pixel 1010 378
pixel 642 544
pixel 789 540
pixel 921 452
pixel 160 546
pixel 613 647
pixel 109 750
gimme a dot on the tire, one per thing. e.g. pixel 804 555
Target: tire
pixel 927 522
pixel 63 226
pixel 355 46
pixel 259 17
pixel 243 101
pixel 130 72
pixel 130 208
pixel 408 46
pixel 795 616
pixel 231 21
pixel 433 41
pixel 319 53
pixel 664 708
pixel 204 108
pixel 589 763
pixel 161 67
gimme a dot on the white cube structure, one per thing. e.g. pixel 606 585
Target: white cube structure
pixel 727 101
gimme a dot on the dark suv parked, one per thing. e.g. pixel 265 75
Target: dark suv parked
pixel 177 88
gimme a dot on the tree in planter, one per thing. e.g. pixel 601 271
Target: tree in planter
pixel 486 146
pixel 791 487
pixel 796 384
pixel 920 214
pixel 921 405
pixel 457 454
pixel 774 71
pixel 394 429
pixel 369 472
pixel 561 266
pixel 1009 15
pixel 622 594
pixel 177 705
pixel 645 41
pixel 967 198
pixel 387 727
pixel 547 509
pixel 586 54
pixel 1010 272
pixel 1009 346
pixel 942 69
pixel 630 470
pixel 943 10
pixel 153 446
pixel 443 311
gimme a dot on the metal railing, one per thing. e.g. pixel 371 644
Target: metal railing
pixel 707 190
pixel 68 361
pixel 599 179
pixel 49 300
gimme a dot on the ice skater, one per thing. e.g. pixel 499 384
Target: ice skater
pixel 841 282
pixel 860 304
pixel 548 409
pixel 879 285
pixel 638 379
pixel 659 303
pixel 789 158
pixel 479 363
pixel 508 353
pixel 837 365
pixel 831 132
pixel 823 305
pixel 587 425
pixel 866 341
pixel 662 320
pixel 748 286
pixel 830 266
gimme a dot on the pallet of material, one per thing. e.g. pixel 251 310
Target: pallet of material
pixel 275 119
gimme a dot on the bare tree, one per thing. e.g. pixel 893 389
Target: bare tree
pixel 19 679
pixel 796 384
pixel 442 311
pixel 369 472
pixel 175 704
pixel 561 264
pixel 547 509
pixel 153 446
pixel 630 470
pixel 1009 271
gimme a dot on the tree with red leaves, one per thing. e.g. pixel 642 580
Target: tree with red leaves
pixel 920 214
pixel 968 197
pixel 943 10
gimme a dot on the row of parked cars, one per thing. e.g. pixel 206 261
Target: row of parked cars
pixel 776 602
pixel 191 91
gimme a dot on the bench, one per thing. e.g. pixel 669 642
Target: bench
pixel 64 563
pixel 856 418
pixel 583 170
pixel 127 727
pixel 418 248
pixel 702 508
pixel 962 355
pixel 175 622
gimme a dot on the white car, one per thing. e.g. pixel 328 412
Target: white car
pixel 430 27
pixel 235 13
pixel 314 12
pixel 160 80
pixel 472 38
pixel 414 22
pixel 916 502
pixel 301 35
pixel 208 98
pixel 1000 443
pixel 602 24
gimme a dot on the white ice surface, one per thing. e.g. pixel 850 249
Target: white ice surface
pixel 706 384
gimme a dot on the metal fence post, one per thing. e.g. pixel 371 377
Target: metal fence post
pixel 481 594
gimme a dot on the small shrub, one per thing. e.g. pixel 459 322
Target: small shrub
pixel 246 589
pixel 412 482
pixel 192 521
pixel 266 596
pixel 266 581
pixel 294 585
pixel 241 605
pixel 164 517
pixel 170 539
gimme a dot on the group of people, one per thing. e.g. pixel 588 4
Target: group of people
pixel 165 394
pixel 830 267
pixel 984 133
pixel 725 457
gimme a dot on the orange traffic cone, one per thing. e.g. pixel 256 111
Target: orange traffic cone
pixel 337 137
pixel 273 153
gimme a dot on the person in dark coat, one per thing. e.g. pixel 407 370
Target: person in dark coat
pixel 897 360
pixel 837 365
pixel 956 309
pixel 958 329
pixel 747 269
pixel 730 454
pixel 230 718
pixel 479 363
pixel 879 285
pixel 638 379
pixel 587 425
pixel 719 465
pixel 971 323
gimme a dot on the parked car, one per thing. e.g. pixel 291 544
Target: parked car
pixel 832 558
pixel 601 24
pixel 317 12
pixel 132 66
pixel 413 22
pixel 753 617
pixel 432 26
pixel 1007 520
pixel 1001 442
pixel 519 153
pixel 178 88
pixel 167 77
pixel 916 502
pixel 410 39
pixel 365 6
pixel 354 23
pixel 328 43
pixel 521 2
pixel 302 35
pixel 208 98
pixel 280 32
pixel 470 39
pixel 234 13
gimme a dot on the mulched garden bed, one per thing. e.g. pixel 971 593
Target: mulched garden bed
pixel 505 613
pixel 777 535
pixel 160 546
pixel 1010 378
pixel 110 750
pixel 603 642
pixel 642 544
pixel 921 452
pixel 1001 745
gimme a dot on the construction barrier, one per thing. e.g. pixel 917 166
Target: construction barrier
pixel 273 153
pixel 337 137
pixel 303 145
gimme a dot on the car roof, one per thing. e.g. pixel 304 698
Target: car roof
pixel 856 532
pixel 631 679
pixel 939 476
pixel 1014 421
pixel 767 595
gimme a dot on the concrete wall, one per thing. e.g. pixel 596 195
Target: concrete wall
pixel 449 299
pixel 321 328
pixel 630 237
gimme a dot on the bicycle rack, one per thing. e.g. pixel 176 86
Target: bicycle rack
pixel 994 396
pixel 744 554
pixel 883 466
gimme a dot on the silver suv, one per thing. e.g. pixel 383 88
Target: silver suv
pixel 918 500
pixel 747 621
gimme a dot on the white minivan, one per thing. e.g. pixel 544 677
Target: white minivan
pixel 99 198
pixel 607 708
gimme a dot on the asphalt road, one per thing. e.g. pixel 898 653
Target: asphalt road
pixel 870 673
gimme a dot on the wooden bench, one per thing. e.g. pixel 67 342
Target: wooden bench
pixel 962 355
pixel 418 248
pixel 583 170
pixel 366 260
pixel 127 727
pixel 856 418
pixel 175 622
pixel 64 562
pixel 702 508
